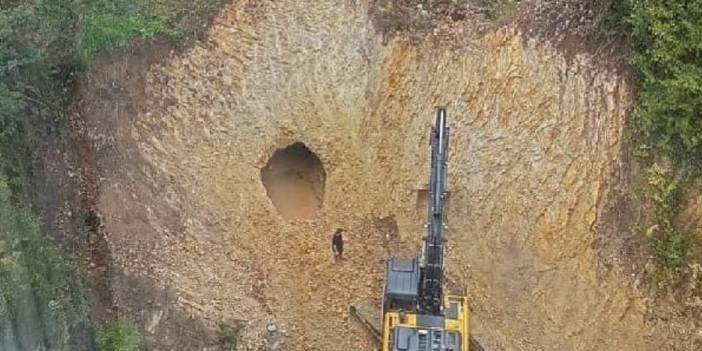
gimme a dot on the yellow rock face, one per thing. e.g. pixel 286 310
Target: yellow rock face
pixel 534 142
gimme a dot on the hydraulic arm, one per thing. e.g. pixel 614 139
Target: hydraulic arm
pixel 417 315
pixel 432 263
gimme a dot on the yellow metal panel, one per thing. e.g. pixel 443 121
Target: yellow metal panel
pixel 411 320
pixel 388 324
pixel 461 324
pixel 466 324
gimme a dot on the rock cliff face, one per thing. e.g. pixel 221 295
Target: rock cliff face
pixel 535 140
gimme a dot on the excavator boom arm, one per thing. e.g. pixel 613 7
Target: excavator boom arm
pixel 416 314
pixel 431 280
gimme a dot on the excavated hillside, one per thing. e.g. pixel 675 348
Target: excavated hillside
pixel 310 98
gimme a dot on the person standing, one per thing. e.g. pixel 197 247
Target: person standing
pixel 338 245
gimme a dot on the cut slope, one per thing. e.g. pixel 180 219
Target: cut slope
pixel 535 140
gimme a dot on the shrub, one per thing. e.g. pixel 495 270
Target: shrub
pixel 120 335
pixel 43 46
pixel 40 294
pixel 229 334
pixel 670 243
pixel 666 39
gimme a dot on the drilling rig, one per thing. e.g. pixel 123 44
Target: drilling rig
pixel 416 314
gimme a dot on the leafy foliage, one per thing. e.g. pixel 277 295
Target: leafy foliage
pixel 665 51
pixel 44 44
pixel 40 295
pixel 120 335
pixel 669 242
pixel 25 88
pixel 666 39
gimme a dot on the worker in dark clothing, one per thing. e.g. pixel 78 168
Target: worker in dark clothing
pixel 338 245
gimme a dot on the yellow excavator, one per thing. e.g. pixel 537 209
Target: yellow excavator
pixel 416 313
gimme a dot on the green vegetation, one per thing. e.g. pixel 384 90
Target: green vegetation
pixel 666 53
pixel 497 9
pixel 670 243
pixel 45 48
pixel 106 32
pixel 46 45
pixel 40 295
pixel 229 333
pixel 120 335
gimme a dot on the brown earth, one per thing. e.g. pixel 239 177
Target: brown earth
pixel 179 147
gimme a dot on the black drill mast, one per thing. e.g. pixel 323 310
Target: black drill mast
pixel 432 263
